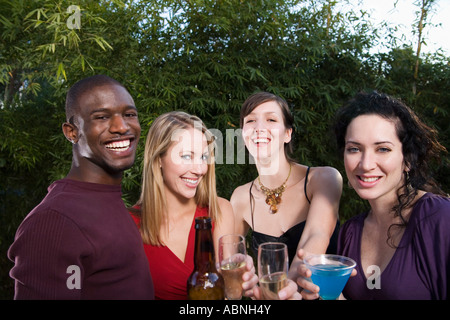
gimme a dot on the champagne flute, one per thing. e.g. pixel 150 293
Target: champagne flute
pixel 272 269
pixel 232 256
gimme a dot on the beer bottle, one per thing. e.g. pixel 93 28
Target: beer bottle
pixel 205 282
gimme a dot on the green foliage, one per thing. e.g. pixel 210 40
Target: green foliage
pixel 201 56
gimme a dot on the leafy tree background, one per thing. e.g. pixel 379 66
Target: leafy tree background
pixel 204 57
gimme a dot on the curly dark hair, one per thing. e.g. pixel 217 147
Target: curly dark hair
pixel 420 146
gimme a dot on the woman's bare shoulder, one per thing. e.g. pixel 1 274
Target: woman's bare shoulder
pixel 326 174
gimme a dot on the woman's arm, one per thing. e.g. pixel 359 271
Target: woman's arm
pixel 240 201
pixel 324 189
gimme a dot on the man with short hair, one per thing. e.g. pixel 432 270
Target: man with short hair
pixel 80 241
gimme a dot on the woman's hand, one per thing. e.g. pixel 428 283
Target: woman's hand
pixel 309 290
pixel 250 278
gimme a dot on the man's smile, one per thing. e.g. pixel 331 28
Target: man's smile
pixel 119 146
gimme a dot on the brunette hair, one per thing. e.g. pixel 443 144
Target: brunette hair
pixel 152 202
pixel 419 142
pixel 259 98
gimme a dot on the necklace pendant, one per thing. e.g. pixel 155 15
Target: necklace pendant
pixel 273 196
pixel 273 208
pixel 271 200
pixel 278 198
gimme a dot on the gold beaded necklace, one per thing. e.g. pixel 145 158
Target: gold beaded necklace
pixel 273 196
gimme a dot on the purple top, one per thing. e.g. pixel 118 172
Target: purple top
pixel 420 266
pixel 80 242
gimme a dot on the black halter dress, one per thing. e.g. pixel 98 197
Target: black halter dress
pixel 292 236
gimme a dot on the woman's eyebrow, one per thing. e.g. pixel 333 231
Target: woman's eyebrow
pixel 376 143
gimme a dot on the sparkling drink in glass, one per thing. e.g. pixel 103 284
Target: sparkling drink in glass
pixel 232 256
pixel 272 269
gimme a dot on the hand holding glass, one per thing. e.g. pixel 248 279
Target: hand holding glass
pixel 232 255
pixel 272 269
pixel 330 273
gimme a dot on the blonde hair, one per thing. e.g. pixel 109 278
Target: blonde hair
pixel 152 202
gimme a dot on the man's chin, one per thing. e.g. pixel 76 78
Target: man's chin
pixel 118 168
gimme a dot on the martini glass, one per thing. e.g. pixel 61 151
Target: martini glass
pixel 329 272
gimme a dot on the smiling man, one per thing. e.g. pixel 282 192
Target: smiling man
pixel 80 241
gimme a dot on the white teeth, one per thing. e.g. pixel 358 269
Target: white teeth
pixel 263 140
pixel 119 145
pixel 369 179
pixel 190 181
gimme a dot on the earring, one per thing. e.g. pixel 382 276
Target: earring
pixel 349 185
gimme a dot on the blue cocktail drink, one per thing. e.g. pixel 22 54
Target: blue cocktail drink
pixel 330 273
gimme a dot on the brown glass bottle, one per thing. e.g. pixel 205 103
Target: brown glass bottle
pixel 205 282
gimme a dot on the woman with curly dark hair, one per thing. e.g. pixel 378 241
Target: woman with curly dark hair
pixel 402 244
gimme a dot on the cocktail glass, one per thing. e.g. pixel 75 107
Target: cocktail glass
pixel 329 272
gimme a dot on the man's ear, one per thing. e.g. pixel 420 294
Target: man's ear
pixel 70 132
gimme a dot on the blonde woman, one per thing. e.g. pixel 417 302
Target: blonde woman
pixel 178 184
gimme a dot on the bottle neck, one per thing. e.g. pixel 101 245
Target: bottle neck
pixel 204 245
